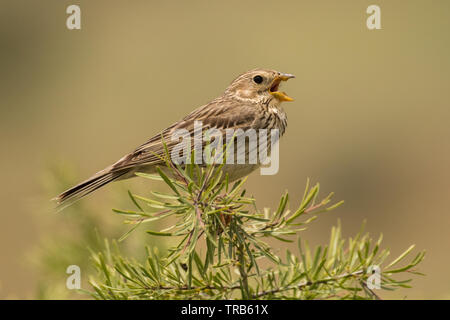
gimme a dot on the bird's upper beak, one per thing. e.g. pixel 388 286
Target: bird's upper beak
pixel 273 90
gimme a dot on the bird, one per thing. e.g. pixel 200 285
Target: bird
pixel 252 101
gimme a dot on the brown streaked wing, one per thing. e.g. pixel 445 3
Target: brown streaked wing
pixel 220 114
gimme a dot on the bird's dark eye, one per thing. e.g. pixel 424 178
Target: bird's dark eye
pixel 258 79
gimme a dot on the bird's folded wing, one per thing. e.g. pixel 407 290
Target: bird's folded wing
pixel 229 115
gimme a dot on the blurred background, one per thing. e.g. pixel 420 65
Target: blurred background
pixel 370 120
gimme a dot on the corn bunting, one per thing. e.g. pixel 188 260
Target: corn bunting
pixel 251 101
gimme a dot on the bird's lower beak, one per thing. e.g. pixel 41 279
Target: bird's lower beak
pixel 273 90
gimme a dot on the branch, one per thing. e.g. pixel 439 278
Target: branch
pixel 309 283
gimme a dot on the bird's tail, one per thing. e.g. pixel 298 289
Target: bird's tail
pixel 86 187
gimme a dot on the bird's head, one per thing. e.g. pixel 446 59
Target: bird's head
pixel 259 85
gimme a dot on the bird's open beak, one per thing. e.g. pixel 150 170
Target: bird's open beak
pixel 273 90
